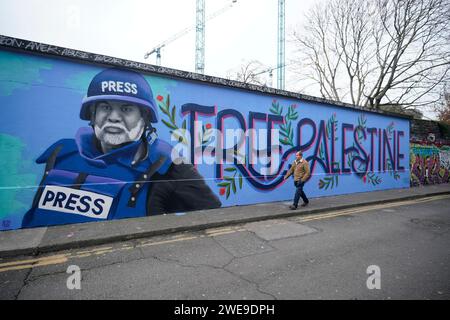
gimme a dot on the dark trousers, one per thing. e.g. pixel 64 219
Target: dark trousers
pixel 299 193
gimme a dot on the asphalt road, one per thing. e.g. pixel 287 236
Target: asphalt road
pixel 322 256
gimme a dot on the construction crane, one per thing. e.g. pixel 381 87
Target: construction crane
pixel 181 33
pixel 270 71
pixel 200 37
pixel 158 48
pixel 200 32
pixel 281 45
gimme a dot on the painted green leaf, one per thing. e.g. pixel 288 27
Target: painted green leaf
pixel 233 185
pixel 163 110
pixel 172 117
pixel 223 184
pixel 240 181
pixel 321 184
pixel 169 124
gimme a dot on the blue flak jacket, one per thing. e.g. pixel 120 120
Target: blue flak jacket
pixel 81 184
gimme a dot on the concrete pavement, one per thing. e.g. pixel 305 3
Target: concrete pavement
pixel 47 239
pixel 319 256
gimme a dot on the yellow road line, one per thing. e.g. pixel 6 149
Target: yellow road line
pixel 94 250
pixel 218 230
pixel 222 233
pixel 19 266
pixel 107 251
pixel 32 261
pixel 164 242
pixel 82 255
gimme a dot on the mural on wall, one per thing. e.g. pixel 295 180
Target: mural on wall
pixel 429 164
pixel 90 143
pixel 104 172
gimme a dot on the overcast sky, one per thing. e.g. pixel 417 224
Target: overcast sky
pixel 128 29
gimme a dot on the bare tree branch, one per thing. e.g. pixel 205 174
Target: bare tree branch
pixel 251 72
pixel 377 52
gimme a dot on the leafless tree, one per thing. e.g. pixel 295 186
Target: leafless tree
pixel 376 53
pixel 442 107
pixel 252 72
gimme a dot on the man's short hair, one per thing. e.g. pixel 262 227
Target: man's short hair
pixel 300 153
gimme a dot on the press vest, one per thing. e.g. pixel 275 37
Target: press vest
pixel 82 185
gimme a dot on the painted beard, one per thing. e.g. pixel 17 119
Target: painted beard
pixel 116 134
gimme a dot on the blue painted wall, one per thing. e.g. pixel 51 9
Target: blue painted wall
pixel 348 150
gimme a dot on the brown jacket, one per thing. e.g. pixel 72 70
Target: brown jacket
pixel 300 170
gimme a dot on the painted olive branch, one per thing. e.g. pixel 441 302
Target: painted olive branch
pixel 164 106
pixel 329 182
pixel 332 123
pixel 230 182
pixel 205 136
pixel 286 130
pixel 361 124
pixel 372 178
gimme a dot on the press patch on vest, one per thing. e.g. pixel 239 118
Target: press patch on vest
pixel 81 202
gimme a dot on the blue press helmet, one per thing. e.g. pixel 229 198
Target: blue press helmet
pixel 120 85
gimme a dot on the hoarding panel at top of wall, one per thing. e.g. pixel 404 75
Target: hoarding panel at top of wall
pixel 240 144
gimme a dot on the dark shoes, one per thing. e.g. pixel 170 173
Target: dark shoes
pixel 292 207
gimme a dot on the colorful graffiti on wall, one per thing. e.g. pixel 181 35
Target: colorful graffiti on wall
pixel 88 143
pixel 430 164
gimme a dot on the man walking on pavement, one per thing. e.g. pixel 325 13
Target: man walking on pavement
pixel 300 169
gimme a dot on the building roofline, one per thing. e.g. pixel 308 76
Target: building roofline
pixel 88 57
